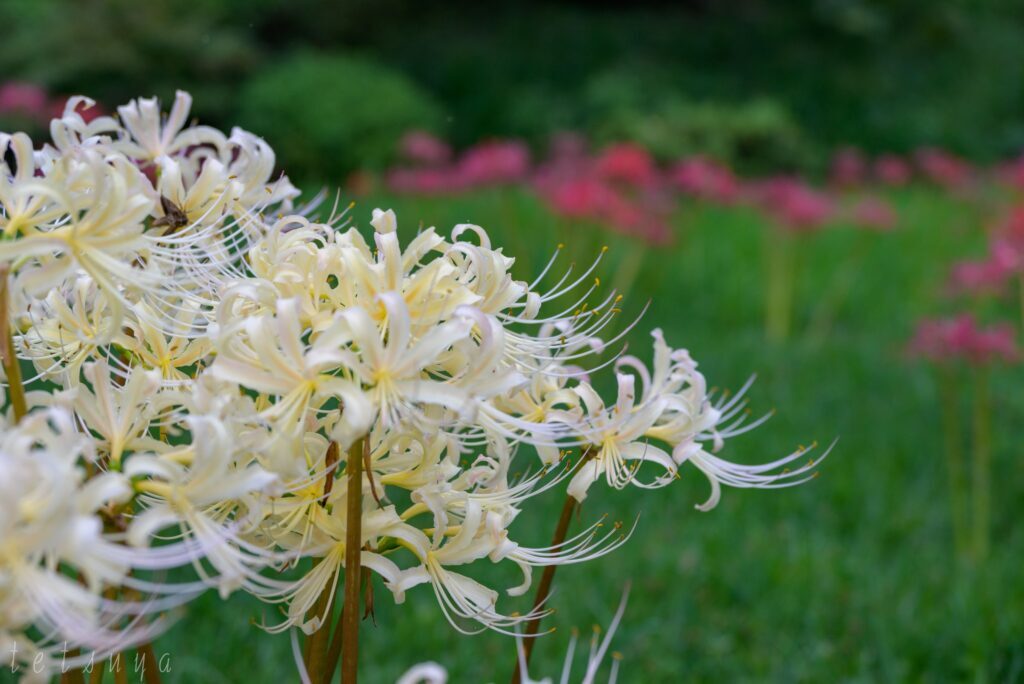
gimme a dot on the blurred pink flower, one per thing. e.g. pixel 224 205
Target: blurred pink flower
pixel 892 170
pixel 627 163
pixel 978 278
pixel 1012 227
pixel 583 197
pixel 629 217
pixel 949 339
pixel 849 167
pixel 567 145
pixel 1012 172
pixel 943 168
pixel 989 276
pixel 424 148
pixel 792 203
pixel 705 179
pixel 874 213
pixel 25 99
pixel 424 181
pixel 494 162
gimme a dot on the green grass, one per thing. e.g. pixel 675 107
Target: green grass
pixel 851 577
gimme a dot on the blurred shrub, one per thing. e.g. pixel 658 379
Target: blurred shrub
pixel 328 115
pixel 115 50
pixel 886 76
pixel 752 135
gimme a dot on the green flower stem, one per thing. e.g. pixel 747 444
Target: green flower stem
pixel 12 369
pixel 779 288
pixel 151 668
pixel 548 576
pixel 955 466
pixel 831 301
pixel 981 482
pixel 353 543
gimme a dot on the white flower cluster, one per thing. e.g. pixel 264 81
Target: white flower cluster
pixel 208 363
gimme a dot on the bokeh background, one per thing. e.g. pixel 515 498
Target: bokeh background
pixel 824 193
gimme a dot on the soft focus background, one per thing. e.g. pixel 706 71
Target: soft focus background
pixel 829 194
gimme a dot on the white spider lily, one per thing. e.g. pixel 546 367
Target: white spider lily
pixel 221 377
pixel 67 328
pixel 49 518
pixel 772 475
pixel 396 373
pixel 152 138
pixel 613 438
pixel 119 415
pixel 94 223
pixel 433 673
pixel 205 492
pixel 595 658
pixel 424 673
pixel 267 354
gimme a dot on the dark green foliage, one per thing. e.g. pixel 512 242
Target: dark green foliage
pixel 328 115
pixel 759 82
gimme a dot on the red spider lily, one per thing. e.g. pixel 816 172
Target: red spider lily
pixel 982 277
pixel 25 99
pixel 705 179
pixel 792 203
pixel 943 168
pixel 627 163
pixel 961 338
pixel 424 148
pixel 892 170
pixel 849 167
pixel 494 162
pixel 874 213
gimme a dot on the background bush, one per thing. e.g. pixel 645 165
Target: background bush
pixel 763 81
pixel 359 110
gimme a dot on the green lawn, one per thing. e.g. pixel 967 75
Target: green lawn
pixel 850 577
